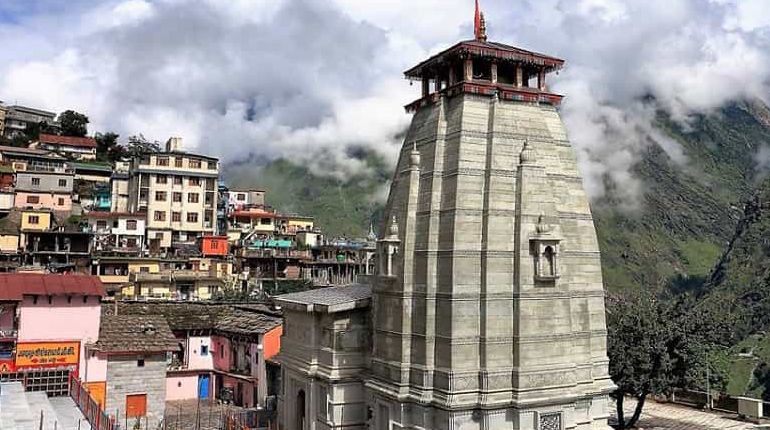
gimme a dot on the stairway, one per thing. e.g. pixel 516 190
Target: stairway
pixel 20 410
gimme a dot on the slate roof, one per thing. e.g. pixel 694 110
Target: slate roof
pixel 249 319
pixel 13 286
pixel 135 333
pixel 333 299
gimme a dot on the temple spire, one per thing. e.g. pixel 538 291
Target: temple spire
pixel 477 22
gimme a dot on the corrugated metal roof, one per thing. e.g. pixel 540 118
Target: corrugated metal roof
pixel 54 139
pixel 14 286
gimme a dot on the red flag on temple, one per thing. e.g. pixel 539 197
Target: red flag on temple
pixel 477 22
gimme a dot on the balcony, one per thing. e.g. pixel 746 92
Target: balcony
pixel 274 253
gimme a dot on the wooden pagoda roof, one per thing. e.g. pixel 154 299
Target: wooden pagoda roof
pixel 482 48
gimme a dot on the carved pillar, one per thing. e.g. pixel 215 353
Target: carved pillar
pixel 541 79
pixel 519 75
pixel 452 77
pixel 425 86
pixel 468 69
pixel 494 73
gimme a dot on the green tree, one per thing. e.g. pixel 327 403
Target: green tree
pixel 108 148
pixel 655 346
pixel 73 123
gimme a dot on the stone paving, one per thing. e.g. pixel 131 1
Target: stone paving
pixel 191 415
pixel 677 417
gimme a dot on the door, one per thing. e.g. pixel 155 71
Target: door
pixel 203 386
pixel 136 405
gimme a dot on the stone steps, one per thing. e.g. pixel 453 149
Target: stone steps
pixel 20 410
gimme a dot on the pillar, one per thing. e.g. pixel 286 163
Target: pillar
pixel 519 75
pixel 494 73
pixel 425 86
pixel 541 79
pixel 468 69
pixel 452 75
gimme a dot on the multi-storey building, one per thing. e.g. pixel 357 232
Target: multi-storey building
pixel 119 187
pixel 178 191
pixel 3 113
pixel 32 159
pixel 81 148
pixel 239 199
pixel 44 190
pixel 18 118
pixel 117 232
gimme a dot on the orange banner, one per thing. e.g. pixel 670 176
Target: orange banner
pixel 47 354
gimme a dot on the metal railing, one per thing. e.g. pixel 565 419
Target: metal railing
pixel 95 415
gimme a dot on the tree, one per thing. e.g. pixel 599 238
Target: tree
pixel 108 148
pixel 654 346
pixel 73 123
pixel 138 145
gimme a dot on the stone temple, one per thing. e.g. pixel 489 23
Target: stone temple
pixel 487 310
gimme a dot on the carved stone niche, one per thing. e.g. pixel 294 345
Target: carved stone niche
pixel 544 247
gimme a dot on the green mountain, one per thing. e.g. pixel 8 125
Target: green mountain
pixel 341 207
pixel 689 211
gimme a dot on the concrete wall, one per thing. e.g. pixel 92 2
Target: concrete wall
pixel 221 356
pixel 45 200
pixel 61 320
pixel 47 182
pixel 196 360
pixel 181 387
pixel 125 377
pixel 95 369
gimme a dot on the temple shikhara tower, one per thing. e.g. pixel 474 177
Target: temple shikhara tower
pixel 487 311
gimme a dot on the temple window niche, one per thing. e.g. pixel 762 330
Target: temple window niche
pixel 544 246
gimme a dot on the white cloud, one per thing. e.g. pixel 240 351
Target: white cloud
pixel 309 79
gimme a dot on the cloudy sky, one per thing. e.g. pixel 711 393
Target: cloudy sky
pixel 308 79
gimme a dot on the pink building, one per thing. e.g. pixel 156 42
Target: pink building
pixel 36 200
pixel 48 320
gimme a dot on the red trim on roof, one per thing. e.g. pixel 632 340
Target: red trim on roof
pixel 14 286
pixel 102 215
pixel 54 139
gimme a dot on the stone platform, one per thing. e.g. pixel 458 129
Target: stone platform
pixel 20 410
pixel 677 417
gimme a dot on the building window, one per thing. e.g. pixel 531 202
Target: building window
pixel 212 165
pixel 265 221
pixel 160 216
pixel 192 198
pixel 62 182
pixel 221 347
pixel 176 197
pixel 61 201
pixel 131 224
pixel 195 164
pixel 131 242
pixel 101 225
pixel 176 216
pixel 195 182
pixel 178 161
pixel 162 161
pixel 161 179
pixel 144 269
pixel 241 197
pixel 192 217
pixel 35 181
pixel 140 362
pixel 160 196
pixel 204 350
pixel 34 219
pixel 33 199
pixel 177 180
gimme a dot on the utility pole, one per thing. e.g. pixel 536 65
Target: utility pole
pixel 708 388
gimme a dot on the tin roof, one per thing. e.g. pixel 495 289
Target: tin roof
pixel 333 299
pixel 14 286
pixel 84 142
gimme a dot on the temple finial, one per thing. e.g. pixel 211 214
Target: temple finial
pixel 477 23
pixel 482 28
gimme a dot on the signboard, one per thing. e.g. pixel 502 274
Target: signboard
pixel 47 354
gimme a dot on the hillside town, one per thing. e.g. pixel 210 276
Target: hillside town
pixel 147 275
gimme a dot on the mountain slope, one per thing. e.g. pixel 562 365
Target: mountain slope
pixel 689 211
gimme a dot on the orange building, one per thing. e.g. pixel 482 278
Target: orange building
pixel 214 246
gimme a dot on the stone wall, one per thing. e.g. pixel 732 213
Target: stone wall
pixel 125 377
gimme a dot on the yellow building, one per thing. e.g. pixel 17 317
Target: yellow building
pixel 35 220
pixel 9 243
